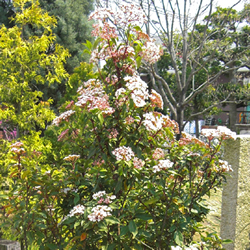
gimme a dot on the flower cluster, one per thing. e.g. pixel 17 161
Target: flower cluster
pixel 221 132
pixel 93 97
pixel 113 133
pixel 77 210
pixel 156 99
pixel 163 165
pixel 17 148
pixel 158 154
pixel 64 116
pixel 129 120
pixel 123 153
pixel 63 135
pixel 71 158
pixel 102 197
pixel 104 31
pixel 99 213
pixel 138 163
pixel 151 52
pixel 138 88
pixel 129 14
pixel 224 166
pixel 153 121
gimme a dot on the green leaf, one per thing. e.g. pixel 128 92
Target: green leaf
pixel 52 246
pixel 143 216
pixel 178 238
pixel 138 62
pixel 132 228
pixel 88 44
pixel 76 199
pixel 100 117
pixel 124 230
pixel 118 186
pixel 111 247
pixel 112 220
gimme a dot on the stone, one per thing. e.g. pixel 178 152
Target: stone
pixel 9 245
pixel 235 212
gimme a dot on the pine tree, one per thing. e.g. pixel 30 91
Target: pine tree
pixel 72 29
pixel 6 11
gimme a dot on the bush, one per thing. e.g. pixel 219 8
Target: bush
pixel 116 178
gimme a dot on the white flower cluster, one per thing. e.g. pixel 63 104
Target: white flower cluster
pixel 156 99
pixel 220 132
pixel 129 14
pixel 101 14
pixel 76 210
pixel 138 163
pixel 99 213
pixel 102 197
pixel 123 153
pixel 163 165
pixel 151 52
pixel 224 166
pixel 193 247
pixel 93 97
pixel 18 150
pixel 71 158
pixel 152 121
pixel 64 116
pixel 66 190
pixel 138 88
pixel 158 154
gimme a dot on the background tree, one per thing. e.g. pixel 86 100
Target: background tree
pixel 73 28
pixel 72 31
pixel 6 12
pixel 26 64
pixel 197 40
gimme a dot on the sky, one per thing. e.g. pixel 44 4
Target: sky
pixel 229 3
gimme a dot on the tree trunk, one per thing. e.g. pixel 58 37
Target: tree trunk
pixel 232 116
pixel 197 132
pixel 180 120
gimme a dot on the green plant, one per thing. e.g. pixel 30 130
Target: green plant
pixel 116 178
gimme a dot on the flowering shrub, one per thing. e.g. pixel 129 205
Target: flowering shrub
pixel 119 178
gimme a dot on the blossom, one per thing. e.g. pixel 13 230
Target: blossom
pixel 77 210
pixel 63 134
pixel 101 14
pixel 176 248
pixel 99 213
pixel 17 144
pixel 102 197
pixel 92 96
pixel 70 105
pixel 64 116
pixel 156 99
pixel 112 133
pixel 163 165
pixel 138 88
pixel 224 166
pixel 158 154
pixel 129 14
pixel 123 153
pixel 71 158
pixel 221 132
pixel 138 163
pixel 120 92
pixel 153 121
pixel 104 31
pixel 120 96
pixel 151 52
pixel 129 120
